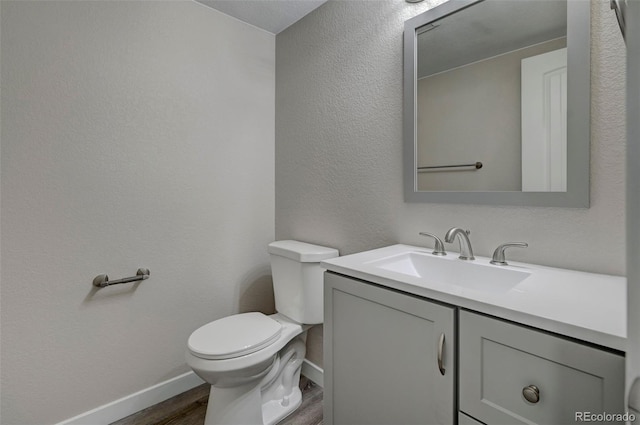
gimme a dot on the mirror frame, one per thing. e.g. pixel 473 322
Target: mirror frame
pixel 578 117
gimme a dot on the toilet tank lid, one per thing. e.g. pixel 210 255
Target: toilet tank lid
pixel 302 251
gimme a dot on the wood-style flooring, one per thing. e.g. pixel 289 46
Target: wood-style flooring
pixel 189 408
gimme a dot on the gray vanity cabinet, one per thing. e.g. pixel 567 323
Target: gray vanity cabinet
pixel 511 374
pixel 388 356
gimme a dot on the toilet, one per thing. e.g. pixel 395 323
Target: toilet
pixel 252 360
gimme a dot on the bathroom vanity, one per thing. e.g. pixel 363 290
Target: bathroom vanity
pixel 414 338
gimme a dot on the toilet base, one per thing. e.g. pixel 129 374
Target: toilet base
pixel 273 411
pixel 234 407
pixel 266 400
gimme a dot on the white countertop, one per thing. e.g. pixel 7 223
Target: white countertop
pixel 586 306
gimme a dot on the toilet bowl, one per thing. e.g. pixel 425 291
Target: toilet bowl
pixel 252 360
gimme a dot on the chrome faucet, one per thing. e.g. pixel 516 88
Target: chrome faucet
pixel 466 252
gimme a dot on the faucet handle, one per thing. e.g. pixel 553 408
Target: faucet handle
pixel 498 255
pixel 438 248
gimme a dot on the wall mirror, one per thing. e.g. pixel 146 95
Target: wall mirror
pixel 497 103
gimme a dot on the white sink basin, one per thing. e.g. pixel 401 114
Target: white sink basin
pixel 450 270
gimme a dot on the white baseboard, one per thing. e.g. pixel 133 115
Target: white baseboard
pixel 133 403
pixel 313 372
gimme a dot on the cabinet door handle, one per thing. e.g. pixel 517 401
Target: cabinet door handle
pixel 440 353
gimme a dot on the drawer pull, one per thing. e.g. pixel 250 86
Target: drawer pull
pixel 531 394
pixel 440 353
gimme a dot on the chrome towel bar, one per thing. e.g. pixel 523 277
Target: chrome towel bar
pixel 102 280
pixel 477 166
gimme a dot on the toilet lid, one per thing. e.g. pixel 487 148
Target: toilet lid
pixel 234 336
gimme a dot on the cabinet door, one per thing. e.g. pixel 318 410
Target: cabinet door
pixel 511 375
pixel 381 351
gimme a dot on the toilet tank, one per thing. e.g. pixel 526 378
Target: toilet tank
pixel 298 279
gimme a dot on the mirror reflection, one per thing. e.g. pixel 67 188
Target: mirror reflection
pixel 491 98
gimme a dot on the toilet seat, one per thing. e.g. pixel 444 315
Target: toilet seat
pixel 234 336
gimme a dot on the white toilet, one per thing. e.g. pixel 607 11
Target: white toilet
pixel 253 361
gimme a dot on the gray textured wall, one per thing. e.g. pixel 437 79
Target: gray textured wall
pixel 339 148
pixel 134 134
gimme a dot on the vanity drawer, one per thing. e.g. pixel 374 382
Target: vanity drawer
pixel 501 363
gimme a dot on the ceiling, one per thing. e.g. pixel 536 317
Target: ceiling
pixel 488 29
pixel 271 15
